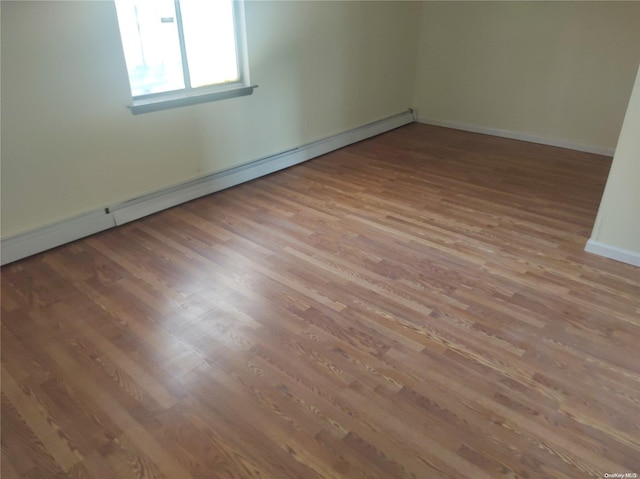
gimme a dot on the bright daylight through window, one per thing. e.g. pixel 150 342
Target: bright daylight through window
pixel 182 52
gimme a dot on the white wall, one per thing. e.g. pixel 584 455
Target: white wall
pixel 618 223
pixel 558 71
pixel 70 145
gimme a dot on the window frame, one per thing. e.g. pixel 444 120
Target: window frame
pixel 189 95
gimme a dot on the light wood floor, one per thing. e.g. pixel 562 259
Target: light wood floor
pixel 418 305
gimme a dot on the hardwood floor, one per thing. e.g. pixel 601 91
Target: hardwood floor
pixel 418 305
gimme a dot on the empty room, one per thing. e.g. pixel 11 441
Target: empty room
pixel 320 239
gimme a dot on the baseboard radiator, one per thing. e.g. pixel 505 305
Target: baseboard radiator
pixel 68 230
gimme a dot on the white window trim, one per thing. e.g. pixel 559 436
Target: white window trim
pixel 205 94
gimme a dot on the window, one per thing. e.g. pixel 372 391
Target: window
pixel 183 52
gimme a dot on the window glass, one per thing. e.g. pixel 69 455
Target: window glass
pixel 210 41
pixel 151 44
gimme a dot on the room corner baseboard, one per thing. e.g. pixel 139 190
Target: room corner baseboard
pixel 518 136
pixel 612 252
pixel 65 231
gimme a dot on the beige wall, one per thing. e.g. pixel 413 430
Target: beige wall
pixel 69 144
pixel 561 71
pixel 618 221
pixel 556 70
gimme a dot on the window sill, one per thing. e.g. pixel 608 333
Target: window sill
pixel 176 100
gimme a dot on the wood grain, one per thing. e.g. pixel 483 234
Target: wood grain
pixel 416 305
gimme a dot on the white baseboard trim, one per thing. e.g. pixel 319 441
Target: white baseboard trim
pixel 170 197
pixel 65 231
pixel 56 234
pixel 518 136
pixel 613 252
